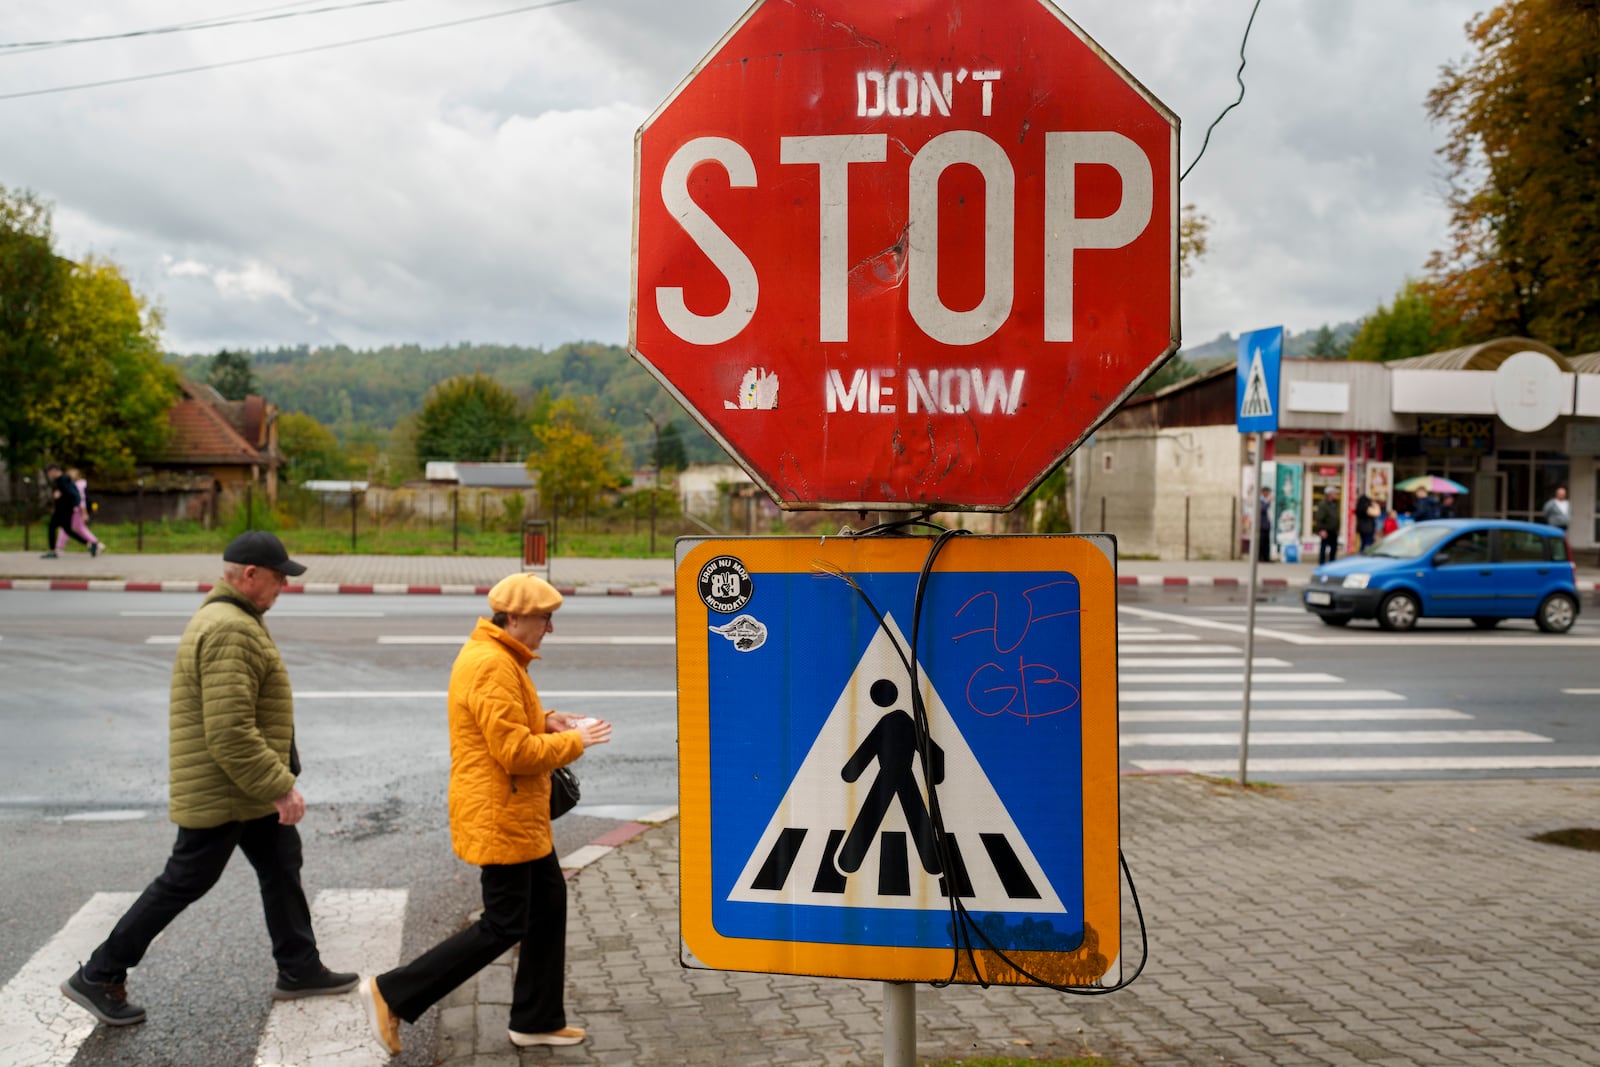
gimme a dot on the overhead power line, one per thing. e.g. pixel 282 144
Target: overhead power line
pixel 265 14
pixel 1238 76
pixel 286 54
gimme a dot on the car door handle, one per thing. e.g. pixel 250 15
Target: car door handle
pixel 1486 573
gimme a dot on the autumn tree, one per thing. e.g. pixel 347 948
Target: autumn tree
pixel 1523 159
pixel 232 375
pixel 310 450
pixel 111 409
pixel 577 457
pixel 471 418
pixel 1413 325
pixel 1193 229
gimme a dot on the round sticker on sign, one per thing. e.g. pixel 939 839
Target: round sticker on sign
pixel 725 585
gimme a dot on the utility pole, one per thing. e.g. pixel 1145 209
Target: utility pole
pixel 655 477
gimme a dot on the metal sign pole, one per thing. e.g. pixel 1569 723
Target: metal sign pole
pixel 1250 613
pixel 899 1024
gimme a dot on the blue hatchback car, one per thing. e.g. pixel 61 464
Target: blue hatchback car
pixel 1479 569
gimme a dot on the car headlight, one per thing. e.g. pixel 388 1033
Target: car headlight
pixel 1356 581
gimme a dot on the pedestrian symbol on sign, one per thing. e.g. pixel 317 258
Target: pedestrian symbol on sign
pixel 1257 404
pixel 893 744
pixel 838 846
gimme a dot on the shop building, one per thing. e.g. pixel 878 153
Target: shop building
pixel 1510 420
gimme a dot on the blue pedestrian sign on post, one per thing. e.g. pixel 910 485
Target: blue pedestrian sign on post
pixel 826 830
pixel 1256 390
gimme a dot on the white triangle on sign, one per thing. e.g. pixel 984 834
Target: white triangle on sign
pixel 800 856
pixel 1257 403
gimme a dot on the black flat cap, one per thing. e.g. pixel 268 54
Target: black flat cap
pixel 258 548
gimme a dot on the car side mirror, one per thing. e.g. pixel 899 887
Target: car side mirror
pixel 1441 559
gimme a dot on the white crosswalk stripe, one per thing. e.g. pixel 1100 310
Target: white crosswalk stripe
pixel 1155 659
pixel 1376 764
pixel 1339 737
pixel 357 930
pixel 38 1026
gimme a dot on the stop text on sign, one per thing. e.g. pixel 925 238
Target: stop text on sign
pixel 904 255
pixel 1065 231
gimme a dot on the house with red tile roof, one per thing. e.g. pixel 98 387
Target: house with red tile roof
pixel 233 442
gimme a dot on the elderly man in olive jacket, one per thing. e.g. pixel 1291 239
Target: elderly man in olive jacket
pixel 232 779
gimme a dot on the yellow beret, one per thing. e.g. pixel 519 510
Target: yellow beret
pixel 524 594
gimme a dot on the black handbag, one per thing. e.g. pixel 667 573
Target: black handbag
pixel 564 791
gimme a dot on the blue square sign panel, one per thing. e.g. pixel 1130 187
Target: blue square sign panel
pixel 1256 384
pixel 834 825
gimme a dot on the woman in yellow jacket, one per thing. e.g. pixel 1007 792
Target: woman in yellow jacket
pixel 503 746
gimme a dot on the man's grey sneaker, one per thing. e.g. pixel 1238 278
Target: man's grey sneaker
pixel 106 1001
pixel 320 983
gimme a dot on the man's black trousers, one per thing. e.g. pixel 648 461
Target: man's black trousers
pixel 197 861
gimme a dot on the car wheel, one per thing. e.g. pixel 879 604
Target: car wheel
pixel 1556 614
pixel 1399 611
pixel 1335 620
pixel 1485 622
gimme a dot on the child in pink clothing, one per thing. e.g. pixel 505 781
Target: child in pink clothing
pixel 80 519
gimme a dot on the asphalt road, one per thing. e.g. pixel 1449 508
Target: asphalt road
pixel 83 690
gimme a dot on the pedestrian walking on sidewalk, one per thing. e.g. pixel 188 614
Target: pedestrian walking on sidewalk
pixel 1325 524
pixel 80 517
pixel 503 746
pixel 64 500
pixel 1264 526
pixel 1367 513
pixel 233 767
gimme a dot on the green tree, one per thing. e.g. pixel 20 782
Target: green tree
pixel 310 450
pixel 232 376
pixel 471 418
pixel 670 454
pixel 1523 159
pixel 1173 371
pixel 1325 344
pixel 31 280
pixel 1414 325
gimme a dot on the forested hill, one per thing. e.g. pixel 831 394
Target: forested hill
pixel 379 387
pixel 367 392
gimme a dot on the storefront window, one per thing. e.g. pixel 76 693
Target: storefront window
pixel 1531 478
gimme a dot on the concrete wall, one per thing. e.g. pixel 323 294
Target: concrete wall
pixel 1165 493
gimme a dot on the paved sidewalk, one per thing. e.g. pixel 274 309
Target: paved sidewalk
pixel 1340 924
pixel 151 572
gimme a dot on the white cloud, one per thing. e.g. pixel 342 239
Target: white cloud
pixel 475 183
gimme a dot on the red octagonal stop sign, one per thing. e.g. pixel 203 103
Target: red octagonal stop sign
pixel 905 254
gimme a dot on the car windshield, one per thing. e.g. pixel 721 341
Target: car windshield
pixel 1411 542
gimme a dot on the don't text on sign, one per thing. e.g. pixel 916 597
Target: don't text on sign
pixel 899 259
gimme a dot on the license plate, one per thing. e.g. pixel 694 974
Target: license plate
pixel 1323 599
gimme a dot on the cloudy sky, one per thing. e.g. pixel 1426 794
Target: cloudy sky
pixel 474 183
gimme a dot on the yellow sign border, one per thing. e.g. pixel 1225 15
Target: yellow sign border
pixel 1086 559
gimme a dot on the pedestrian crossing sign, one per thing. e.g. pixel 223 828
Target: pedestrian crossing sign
pixel 832 825
pixel 1256 380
